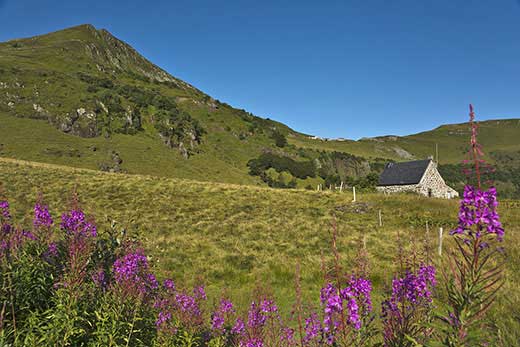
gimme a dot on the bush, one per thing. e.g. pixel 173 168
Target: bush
pixel 299 169
pixel 279 139
pixel 178 128
pixel 96 82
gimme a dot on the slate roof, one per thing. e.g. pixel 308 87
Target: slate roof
pixel 409 172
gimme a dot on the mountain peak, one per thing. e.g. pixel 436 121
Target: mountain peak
pixel 98 46
pixel 82 27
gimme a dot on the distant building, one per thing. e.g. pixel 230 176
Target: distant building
pixel 419 176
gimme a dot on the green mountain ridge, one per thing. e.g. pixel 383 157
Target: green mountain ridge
pixel 83 98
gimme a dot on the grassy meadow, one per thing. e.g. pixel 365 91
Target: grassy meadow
pixel 236 238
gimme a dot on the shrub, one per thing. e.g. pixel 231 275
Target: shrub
pixel 299 169
pixel 178 128
pixel 279 138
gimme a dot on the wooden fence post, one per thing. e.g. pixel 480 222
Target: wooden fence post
pixel 380 219
pixel 440 241
pixel 341 187
pixel 354 193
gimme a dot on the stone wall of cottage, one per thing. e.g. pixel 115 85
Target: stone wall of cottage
pixel 432 184
pixel 399 189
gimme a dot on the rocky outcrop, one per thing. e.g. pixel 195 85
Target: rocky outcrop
pixel 81 122
pixel 112 54
pixel 402 153
pixel 113 164
pixel 40 111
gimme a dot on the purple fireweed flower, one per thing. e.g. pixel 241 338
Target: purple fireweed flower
pixel 253 342
pixel 131 272
pixel 268 306
pixel 361 288
pixel 162 319
pixel 312 328
pixel 42 217
pixel 353 310
pixel 99 279
pixel 410 301
pixel 184 307
pixel 326 292
pixel 256 317
pixel 169 285
pixel 477 213
pixel 411 292
pixel 199 293
pixel 218 318
pixel 11 239
pixel 52 250
pixel 160 303
pixel 226 306
pixel 217 322
pixel 427 275
pixel 29 235
pixel 345 306
pixel 51 254
pixel 287 336
pixel 4 245
pixel 188 304
pixel 239 327
pixel 75 222
pixel 152 281
pixel 5 229
pixel 4 210
pixel 333 307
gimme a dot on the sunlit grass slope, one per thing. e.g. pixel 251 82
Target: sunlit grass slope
pixel 59 73
pixel 452 142
pixel 36 140
pixel 236 237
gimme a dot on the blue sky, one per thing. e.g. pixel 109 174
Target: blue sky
pixel 330 68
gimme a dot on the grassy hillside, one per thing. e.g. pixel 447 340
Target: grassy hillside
pixel 82 98
pixel 452 141
pixel 235 237
pixel 35 140
pixel 79 95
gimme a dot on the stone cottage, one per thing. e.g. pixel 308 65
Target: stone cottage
pixel 419 176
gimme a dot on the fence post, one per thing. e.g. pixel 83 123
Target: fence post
pixel 354 193
pixel 380 219
pixel 341 187
pixel 440 241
